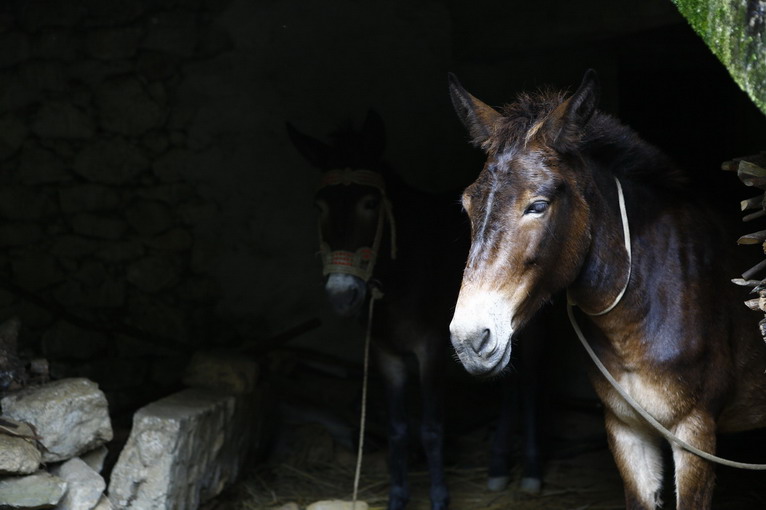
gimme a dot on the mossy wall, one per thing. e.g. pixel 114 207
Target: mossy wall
pixel 734 31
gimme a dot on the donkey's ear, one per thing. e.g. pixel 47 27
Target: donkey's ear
pixel 373 135
pixel 316 152
pixel 478 117
pixel 569 119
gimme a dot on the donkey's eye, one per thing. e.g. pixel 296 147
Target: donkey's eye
pixel 371 203
pixel 537 207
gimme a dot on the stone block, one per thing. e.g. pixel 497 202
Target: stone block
pixel 87 198
pixel 113 43
pixel 18 453
pixel 24 203
pixel 126 107
pixel 41 166
pixel 182 450
pixel 85 487
pixel 19 234
pixel 13 132
pixel 96 458
pixel 154 273
pixel 40 490
pixel 149 217
pixel 35 270
pixel 67 341
pixel 62 120
pixel 226 371
pixel 101 227
pixel 172 32
pixel 110 162
pixel 55 44
pixel 15 48
pixel 71 416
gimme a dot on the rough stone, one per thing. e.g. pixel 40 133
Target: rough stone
pixel 87 198
pixel 182 450
pixel 336 504
pixel 149 218
pixel 113 43
pixel 110 162
pixel 44 75
pixel 35 270
pixel 172 194
pixel 225 371
pixel 95 458
pixel 173 241
pixel 13 132
pixel 126 107
pixel 18 454
pixel 112 12
pixel 62 120
pixel 40 490
pixel 41 166
pixel 19 234
pixel 71 416
pixel 13 94
pixel 153 273
pixel 23 203
pixel 70 246
pixel 35 15
pixel 173 32
pixel 54 44
pixel 104 504
pixel 172 167
pixel 67 341
pixel 15 48
pixel 101 227
pixel 153 313
pixel 120 251
pixel 85 487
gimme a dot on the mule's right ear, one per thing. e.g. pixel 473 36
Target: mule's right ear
pixel 478 117
pixel 316 152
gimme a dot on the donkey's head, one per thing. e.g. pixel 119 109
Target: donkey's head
pixel 352 207
pixel 530 221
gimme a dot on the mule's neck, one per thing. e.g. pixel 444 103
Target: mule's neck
pixel 605 275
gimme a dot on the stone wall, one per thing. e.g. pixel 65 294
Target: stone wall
pixel 100 211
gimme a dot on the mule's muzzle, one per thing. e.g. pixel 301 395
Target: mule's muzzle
pixel 346 293
pixel 480 351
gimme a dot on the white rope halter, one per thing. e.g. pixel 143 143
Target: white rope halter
pixel 361 262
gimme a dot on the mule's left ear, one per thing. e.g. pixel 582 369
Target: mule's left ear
pixel 315 151
pixel 569 119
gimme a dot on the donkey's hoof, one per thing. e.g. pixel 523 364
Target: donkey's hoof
pixel 531 485
pixel 498 483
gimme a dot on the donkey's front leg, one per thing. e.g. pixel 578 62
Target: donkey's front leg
pixel 694 476
pixel 395 378
pixel 431 364
pixel 638 456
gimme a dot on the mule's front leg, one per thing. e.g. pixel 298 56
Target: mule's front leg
pixel 395 378
pixel 432 427
pixel 638 457
pixel 695 476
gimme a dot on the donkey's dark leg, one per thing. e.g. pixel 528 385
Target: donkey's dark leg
pixel 500 450
pixel 532 346
pixel 694 476
pixel 395 378
pixel 431 362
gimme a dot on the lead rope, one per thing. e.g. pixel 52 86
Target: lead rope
pixel 616 385
pixel 374 295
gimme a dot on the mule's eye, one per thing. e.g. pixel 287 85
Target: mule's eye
pixel 321 206
pixel 537 207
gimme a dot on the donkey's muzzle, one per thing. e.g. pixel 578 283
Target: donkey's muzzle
pixel 346 293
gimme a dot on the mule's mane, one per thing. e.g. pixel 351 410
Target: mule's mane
pixel 612 145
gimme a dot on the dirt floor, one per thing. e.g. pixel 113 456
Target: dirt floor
pixel 311 458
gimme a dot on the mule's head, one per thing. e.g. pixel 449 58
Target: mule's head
pixel 351 204
pixel 530 221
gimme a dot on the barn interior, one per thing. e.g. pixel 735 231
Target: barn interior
pixel 153 208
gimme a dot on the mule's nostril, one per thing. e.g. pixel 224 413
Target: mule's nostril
pixel 479 342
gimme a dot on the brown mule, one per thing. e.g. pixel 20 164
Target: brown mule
pixel 545 218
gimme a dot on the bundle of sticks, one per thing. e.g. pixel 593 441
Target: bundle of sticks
pixel 751 170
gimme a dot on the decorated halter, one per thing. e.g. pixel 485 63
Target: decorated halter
pixel 361 262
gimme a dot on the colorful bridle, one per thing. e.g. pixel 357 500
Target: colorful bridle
pixel 361 262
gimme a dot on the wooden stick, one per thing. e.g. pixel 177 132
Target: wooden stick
pixel 754 216
pixel 754 238
pixel 754 270
pixel 752 304
pixel 752 203
pixel 745 283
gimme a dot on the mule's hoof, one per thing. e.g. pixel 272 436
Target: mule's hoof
pixel 498 483
pixel 531 485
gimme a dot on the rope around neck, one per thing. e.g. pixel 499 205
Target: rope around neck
pixel 375 294
pixel 616 385
pixel 626 240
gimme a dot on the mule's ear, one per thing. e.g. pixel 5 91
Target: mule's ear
pixel 316 152
pixel 569 119
pixel 373 136
pixel 478 117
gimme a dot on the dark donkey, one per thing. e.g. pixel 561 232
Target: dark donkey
pixel 378 232
pixel 664 317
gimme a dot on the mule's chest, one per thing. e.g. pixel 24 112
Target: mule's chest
pixel 655 395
